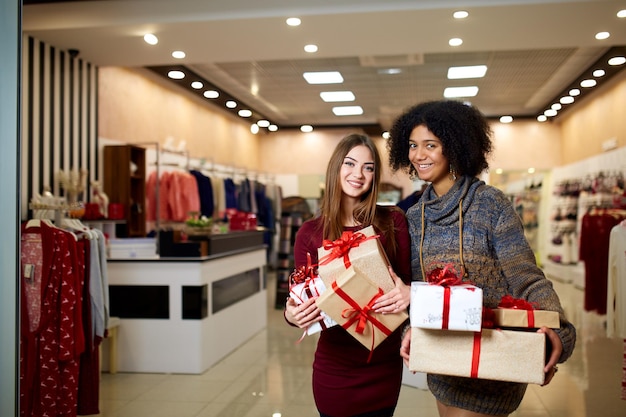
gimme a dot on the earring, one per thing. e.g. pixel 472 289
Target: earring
pixel 452 173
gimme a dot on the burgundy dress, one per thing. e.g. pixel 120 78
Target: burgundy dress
pixel 344 383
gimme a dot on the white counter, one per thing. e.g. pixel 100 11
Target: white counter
pixel 190 345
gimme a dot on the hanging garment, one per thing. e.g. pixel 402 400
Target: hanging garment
pixel 616 289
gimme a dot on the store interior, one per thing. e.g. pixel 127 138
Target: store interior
pixel 103 135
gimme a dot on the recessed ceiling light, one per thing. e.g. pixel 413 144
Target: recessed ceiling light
pixel 542 118
pixel 150 38
pixel 336 96
pixel 294 21
pixel 272 128
pixel 245 113
pixel 599 73
pixel 451 92
pixel 588 83
pixel 470 71
pixel 306 128
pixel 556 106
pixel 506 119
pixel 621 14
pixel 617 60
pixel 231 104
pixel 178 54
pixel 176 75
pixel 390 71
pixel 328 77
pixel 197 85
pixel 254 128
pixel 386 135
pixel 602 35
pixel 461 14
pixel 348 110
pixel 455 42
pixel 310 48
pixel 550 112
pixel 263 123
pixel 211 94
pixel 566 100
pixel 574 92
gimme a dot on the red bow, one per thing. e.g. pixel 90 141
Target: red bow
pixel 340 247
pixel 446 276
pixel 508 301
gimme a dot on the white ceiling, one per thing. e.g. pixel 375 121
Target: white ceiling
pixel 534 49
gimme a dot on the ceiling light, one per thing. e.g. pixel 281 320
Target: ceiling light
pixel 542 118
pixel 231 104
pixel 294 21
pixel 499 171
pixel 588 83
pixel 574 92
pixel 621 14
pixel 461 14
pixel 455 42
pixel 390 71
pixel 617 60
pixel 272 128
pixel 348 110
pixel 254 128
pixel 176 75
pixel 566 100
pixel 550 112
pixel 150 39
pixel 531 170
pixel 245 113
pixel 335 96
pixel 602 35
pixel 470 71
pixel 310 48
pixel 386 135
pixel 178 54
pixel 211 94
pixel 263 123
pixel 451 92
pixel 599 73
pixel 306 128
pixel 556 106
pixel 506 119
pixel 197 85
pixel 328 77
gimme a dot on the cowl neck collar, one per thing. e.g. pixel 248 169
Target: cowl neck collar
pixel 444 209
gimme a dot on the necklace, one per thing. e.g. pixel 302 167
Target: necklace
pixel 463 271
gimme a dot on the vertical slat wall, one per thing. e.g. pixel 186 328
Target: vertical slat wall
pixel 59 122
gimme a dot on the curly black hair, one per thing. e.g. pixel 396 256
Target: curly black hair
pixel 463 130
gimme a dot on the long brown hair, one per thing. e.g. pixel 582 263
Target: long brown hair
pixel 366 212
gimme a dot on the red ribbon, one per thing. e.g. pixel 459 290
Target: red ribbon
pixel 361 315
pixel 340 247
pixel 445 277
pixel 476 355
pixel 508 301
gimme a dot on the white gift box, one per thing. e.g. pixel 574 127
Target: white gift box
pixel 456 307
pixel 305 290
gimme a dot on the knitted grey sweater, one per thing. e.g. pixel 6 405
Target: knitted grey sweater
pixel 497 258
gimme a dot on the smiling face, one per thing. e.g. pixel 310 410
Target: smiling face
pixel 357 172
pixel 426 155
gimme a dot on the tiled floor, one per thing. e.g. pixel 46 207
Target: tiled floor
pixel 269 376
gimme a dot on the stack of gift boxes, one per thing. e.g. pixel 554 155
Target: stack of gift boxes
pixel 351 274
pixel 449 337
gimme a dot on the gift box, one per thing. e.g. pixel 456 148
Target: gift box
pixel 514 312
pixel 455 307
pixel 348 301
pixel 309 289
pixel 361 250
pixel 503 355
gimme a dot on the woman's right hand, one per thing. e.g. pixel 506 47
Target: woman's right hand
pixel 302 315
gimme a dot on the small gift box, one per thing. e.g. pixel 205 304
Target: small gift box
pixel 349 302
pixel 361 250
pixel 454 307
pixel 304 283
pixel 503 355
pixel 514 312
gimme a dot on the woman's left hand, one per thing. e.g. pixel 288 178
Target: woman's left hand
pixel 555 353
pixel 395 300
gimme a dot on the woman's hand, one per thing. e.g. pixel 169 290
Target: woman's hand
pixel 405 347
pixel 555 353
pixel 395 300
pixel 302 315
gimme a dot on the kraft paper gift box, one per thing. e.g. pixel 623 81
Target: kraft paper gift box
pixel 361 250
pixel 454 307
pixel 503 355
pixel 348 300
pixel 308 289
pixel 515 312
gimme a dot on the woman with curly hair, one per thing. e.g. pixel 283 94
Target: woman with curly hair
pixel 460 220
pixel 346 381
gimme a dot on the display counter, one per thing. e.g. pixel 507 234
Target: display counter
pixel 182 315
